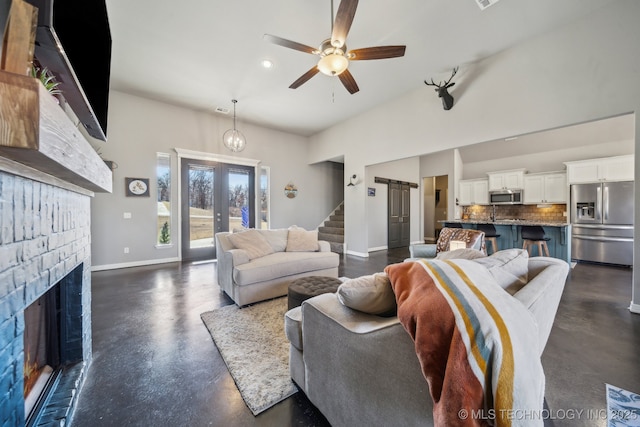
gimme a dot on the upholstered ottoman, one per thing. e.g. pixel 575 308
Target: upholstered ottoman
pixel 307 287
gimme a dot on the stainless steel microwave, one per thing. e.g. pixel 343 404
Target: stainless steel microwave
pixel 505 197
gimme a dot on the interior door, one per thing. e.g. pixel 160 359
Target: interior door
pixel 215 197
pixel 399 225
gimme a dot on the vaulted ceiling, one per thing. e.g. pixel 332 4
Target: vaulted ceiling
pixel 202 54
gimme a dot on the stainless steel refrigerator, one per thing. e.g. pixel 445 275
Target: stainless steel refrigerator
pixel 602 222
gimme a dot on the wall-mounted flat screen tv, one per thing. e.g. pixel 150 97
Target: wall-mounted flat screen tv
pixel 73 41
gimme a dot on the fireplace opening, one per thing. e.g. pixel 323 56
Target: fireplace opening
pixel 41 346
pixel 52 341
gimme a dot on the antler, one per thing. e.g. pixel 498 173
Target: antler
pixel 441 85
pixel 432 83
pixel 453 73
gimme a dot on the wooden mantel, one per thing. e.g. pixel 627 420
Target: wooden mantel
pixel 36 132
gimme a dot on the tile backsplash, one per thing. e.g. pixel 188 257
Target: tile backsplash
pixel 551 213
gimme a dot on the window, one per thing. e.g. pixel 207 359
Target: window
pixel 264 198
pixel 163 171
pixel 238 196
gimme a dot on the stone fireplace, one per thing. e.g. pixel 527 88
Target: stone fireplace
pixel 45 235
pixel 48 175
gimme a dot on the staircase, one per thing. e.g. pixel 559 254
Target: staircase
pixel 333 230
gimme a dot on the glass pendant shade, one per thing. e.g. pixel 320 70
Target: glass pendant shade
pixel 333 64
pixel 233 139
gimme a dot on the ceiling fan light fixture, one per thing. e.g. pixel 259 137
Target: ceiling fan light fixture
pixel 333 52
pixel 233 139
pixel 333 64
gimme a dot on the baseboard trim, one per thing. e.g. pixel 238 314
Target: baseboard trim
pixel 359 254
pixel 634 308
pixel 379 248
pixel 132 264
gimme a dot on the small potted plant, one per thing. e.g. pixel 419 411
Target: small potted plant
pixel 47 79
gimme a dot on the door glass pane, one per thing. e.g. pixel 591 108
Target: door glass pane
pixel 264 199
pixel 238 199
pixel 201 179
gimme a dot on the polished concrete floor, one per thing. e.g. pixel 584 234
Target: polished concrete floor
pixel 154 363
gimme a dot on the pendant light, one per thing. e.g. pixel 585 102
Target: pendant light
pixel 233 139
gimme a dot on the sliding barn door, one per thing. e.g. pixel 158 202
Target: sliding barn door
pixel 399 215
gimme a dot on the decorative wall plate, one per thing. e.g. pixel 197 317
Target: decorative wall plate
pixel 290 191
pixel 137 187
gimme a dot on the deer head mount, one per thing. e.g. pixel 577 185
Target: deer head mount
pixel 442 89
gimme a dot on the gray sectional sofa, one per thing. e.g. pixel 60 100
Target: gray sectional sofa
pixel 362 369
pixel 255 265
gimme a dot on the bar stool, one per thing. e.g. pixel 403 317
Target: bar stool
pixel 490 235
pixel 533 235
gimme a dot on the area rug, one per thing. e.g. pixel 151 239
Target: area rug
pixel 252 343
pixel 623 407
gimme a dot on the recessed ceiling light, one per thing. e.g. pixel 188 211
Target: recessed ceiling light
pixel 511 138
pixel 267 63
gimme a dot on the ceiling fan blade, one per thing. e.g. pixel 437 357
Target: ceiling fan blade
pixel 342 24
pixel 290 44
pixel 378 52
pixel 349 82
pixel 304 78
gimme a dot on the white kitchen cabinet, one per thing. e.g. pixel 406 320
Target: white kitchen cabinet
pixel 473 192
pixel 618 168
pixel 506 180
pixel 545 188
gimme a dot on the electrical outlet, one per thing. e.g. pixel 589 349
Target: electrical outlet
pixel 126 250
pixel 127 215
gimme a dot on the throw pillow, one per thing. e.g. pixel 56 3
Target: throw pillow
pixel 461 254
pixel 252 242
pixel 301 240
pixel 472 238
pixel 370 294
pixel 276 238
pixel 510 268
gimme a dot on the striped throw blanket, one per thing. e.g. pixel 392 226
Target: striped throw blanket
pixel 477 345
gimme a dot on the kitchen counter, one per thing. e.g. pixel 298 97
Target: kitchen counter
pixel 508 222
pixel 511 237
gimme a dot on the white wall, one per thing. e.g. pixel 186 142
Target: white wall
pixel 139 128
pixel 429 206
pixel 439 164
pixel 407 170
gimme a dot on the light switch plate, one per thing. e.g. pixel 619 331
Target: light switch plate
pixel 127 215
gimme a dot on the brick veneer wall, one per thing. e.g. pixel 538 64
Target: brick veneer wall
pixel 44 235
pixel 551 213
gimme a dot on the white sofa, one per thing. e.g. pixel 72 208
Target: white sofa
pixel 249 271
pixel 362 369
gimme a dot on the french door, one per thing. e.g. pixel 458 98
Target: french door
pixel 215 197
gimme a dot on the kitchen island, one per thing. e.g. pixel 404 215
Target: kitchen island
pixel 511 237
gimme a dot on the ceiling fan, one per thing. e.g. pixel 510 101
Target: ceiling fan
pixel 334 57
